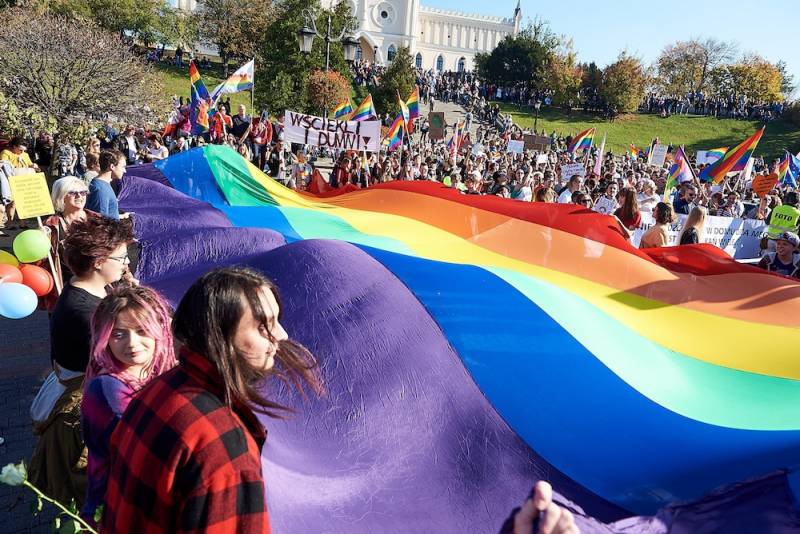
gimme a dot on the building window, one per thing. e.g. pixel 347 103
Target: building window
pixel 359 53
pixel 391 53
pixel 462 63
pixel 418 60
pixel 440 63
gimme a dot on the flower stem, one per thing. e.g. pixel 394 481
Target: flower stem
pixel 84 524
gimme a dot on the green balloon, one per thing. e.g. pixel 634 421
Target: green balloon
pixel 31 246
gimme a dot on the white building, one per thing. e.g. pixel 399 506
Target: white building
pixel 438 39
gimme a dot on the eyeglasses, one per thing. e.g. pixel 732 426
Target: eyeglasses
pixel 76 194
pixel 121 259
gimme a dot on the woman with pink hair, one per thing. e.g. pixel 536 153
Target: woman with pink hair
pixel 131 345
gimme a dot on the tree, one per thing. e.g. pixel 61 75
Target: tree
pixel 788 86
pixel 624 83
pixel 752 77
pixel 326 89
pixel 399 78
pixel 564 77
pixel 522 59
pixel 282 70
pixel 137 18
pixel 686 65
pixel 53 74
pixel 235 27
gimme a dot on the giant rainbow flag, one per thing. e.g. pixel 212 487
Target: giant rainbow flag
pixel 471 345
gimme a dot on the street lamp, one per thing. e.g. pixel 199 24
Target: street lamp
pixel 306 34
pixel 537 106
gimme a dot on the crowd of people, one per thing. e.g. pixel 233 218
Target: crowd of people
pixel 111 336
pixel 697 103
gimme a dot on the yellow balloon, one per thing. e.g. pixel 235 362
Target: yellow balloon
pixel 8 259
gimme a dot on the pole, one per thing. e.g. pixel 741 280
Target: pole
pixel 50 261
pixel 328 46
pixel 252 89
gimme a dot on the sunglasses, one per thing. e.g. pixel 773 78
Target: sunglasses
pixel 77 194
pixel 121 259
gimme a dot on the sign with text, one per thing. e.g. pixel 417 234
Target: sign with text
pixel 516 146
pixel 568 171
pixel 740 238
pixel 478 148
pixel 658 155
pixel 31 196
pixel 331 133
pixel 536 142
pixel 437 124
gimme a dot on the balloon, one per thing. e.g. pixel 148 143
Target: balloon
pixel 37 279
pixel 9 273
pixel 17 301
pixel 31 246
pixel 6 258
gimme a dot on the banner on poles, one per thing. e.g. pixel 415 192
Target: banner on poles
pixel 738 237
pixel 331 133
pixel 31 195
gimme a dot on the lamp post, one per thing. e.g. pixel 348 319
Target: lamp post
pixel 537 106
pixel 306 34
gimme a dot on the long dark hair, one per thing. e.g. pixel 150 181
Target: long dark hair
pixel 631 206
pixel 206 321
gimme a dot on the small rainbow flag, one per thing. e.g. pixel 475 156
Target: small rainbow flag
pixel 405 112
pixel 581 141
pixel 680 171
pixel 394 137
pixel 413 104
pixel 343 109
pixel 793 173
pixel 200 106
pixel 633 151
pixel 241 80
pixel 716 153
pixel 365 111
pixel 732 160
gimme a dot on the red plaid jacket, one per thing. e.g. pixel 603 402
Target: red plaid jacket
pixel 181 461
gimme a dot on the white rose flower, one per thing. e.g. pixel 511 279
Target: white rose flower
pixel 14 474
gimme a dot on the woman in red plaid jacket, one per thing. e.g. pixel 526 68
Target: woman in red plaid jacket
pixel 185 457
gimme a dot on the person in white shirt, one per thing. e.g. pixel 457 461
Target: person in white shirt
pixel 648 197
pixel 573 185
pixel 155 150
pixel 607 204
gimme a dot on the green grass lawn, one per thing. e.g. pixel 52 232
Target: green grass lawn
pixel 694 132
pixel 176 82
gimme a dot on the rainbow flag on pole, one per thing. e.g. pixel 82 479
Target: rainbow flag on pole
pixel 716 153
pixel 634 151
pixel 343 109
pixel 680 171
pixel 788 170
pixel 413 104
pixel 734 160
pixel 241 80
pixel 394 137
pixel 406 114
pixel 365 110
pixel 583 141
pixel 200 106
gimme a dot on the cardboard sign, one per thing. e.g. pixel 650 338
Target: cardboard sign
pixel 762 185
pixel 541 159
pixel 536 142
pixel 437 125
pixel 658 155
pixel 516 146
pixel 568 171
pixel 31 195
pixel 331 133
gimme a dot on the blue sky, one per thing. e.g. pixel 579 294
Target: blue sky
pixel 600 30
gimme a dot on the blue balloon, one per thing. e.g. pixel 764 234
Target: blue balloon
pixel 17 301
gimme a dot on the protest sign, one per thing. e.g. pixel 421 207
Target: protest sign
pixel 437 125
pixel 568 171
pixel 536 142
pixel 541 159
pixel 331 133
pixel 478 148
pixel 738 237
pixel 658 155
pixel 762 185
pixel 31 195
pixel 702 158
pixel 516 146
